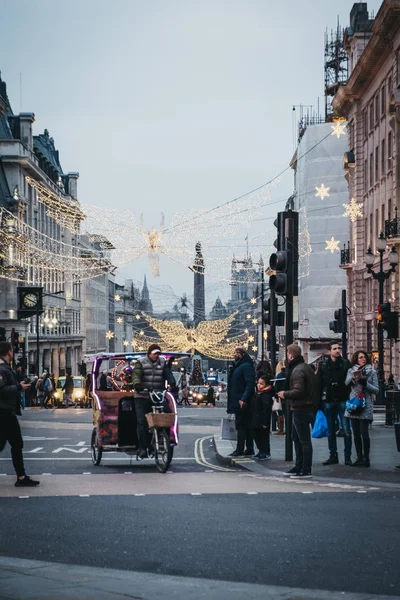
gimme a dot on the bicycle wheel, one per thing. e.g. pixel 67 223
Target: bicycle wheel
pixel 162 455
pixel 96 450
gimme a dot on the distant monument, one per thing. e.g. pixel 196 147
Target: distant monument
pixel 199 292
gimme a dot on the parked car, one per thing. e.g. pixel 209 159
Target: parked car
pixel 199 393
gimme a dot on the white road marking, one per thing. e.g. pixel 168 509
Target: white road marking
pixel 84 496
pixel 251 493
pixel 196 494
pixel 23 496
pixel 108 458
pixel 201 459
pixel 139 495
pixel 35 451
pixel 86 473
pixel 307 492
pixel 29 438
pixel 46 474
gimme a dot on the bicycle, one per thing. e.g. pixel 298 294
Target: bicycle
pixel 163 427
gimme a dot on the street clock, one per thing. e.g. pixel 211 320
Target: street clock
pixel 30 301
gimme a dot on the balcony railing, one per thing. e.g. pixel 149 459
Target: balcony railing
pixel 345 255
pixel 392 227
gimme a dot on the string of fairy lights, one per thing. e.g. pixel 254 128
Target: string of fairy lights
pixel 29 255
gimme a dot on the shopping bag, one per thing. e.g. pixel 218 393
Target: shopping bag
pixel 276 405
pixel 228 428
pixel 320 428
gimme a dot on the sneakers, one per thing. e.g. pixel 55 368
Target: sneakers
pixel 348 462
pixel 302 475
pixel 332 460
pixel 249 452
pixel 236 454
pixel 291 471
pixel 26 482
pixel 262 456
pixel 397 468
pixel 141 455
pixel 359 462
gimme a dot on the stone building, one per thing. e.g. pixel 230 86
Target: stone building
pixel 40 244
pixel 370 102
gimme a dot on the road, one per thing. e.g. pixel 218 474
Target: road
pixel 201 520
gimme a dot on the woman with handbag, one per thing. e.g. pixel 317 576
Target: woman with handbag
pixel 359 408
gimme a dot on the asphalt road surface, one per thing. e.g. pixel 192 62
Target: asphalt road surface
pixel 200 520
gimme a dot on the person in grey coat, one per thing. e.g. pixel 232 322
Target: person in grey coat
pixel 364 383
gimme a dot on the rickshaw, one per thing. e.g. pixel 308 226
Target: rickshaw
pixel 114 416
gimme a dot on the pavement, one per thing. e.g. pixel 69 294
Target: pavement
pixel 47 580
pixel 384 456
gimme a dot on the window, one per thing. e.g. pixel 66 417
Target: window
pixel 390 85
pixel 365 123
pixel 389 204
pixel 377 223
pixel 371 115
pixel 383 158
pixel 390 144
pixel 366 233
pixel 383 100
pixel 369 334
pixel 371 169
pixel 365 176
pixel 383 219
pixel 376 164
pixel 371 230
pixel 376 108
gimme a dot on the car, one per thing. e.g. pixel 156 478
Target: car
pixel 199 393
pixel 78 394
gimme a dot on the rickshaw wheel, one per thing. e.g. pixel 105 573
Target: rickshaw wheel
pixel 97 451
pixel 163 456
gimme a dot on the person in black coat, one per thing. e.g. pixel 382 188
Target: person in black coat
pixel 261 417
pixel 10 407
pixel 241 387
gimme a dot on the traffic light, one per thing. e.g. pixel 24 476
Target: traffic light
pixel 384 315
pixel 268 309
pixel 269 346
pixel 388 320
pixel 15 340
pixel 285 260
pixel 337 325
pixel 3 334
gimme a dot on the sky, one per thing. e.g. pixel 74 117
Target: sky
pixel 169 105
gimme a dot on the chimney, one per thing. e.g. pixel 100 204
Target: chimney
pixel 25 129
pixel 73 184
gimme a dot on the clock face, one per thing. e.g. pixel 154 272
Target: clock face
pixel 30 300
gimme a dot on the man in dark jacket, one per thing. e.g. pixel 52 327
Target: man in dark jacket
pixel 261 417
pixel 241 387
pixel 301 392
pixel 10 407
pixel 333 393
pixel 150 373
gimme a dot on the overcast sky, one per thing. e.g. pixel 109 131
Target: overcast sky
pixel 167 104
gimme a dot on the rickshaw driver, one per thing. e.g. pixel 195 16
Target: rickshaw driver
pixel 150 373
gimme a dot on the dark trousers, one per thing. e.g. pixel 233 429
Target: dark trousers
pixel 10 432
pixel 361 437
pixel 142 407
pixel 302 423
pixel 244 433
pixel 333 411
pixel 47 398
pixel 261 438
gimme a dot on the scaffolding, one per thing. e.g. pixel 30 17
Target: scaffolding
pixel 336 67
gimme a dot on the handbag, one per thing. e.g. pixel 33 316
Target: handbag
pixel 276 405
pixel 228 428
pixel 320 429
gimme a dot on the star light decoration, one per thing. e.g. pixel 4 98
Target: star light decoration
pixel 254 348
pixel 254 321
pixel 137 317
pixel 353 210
pixel 338 129
pixel 109 335
pixel 120 320
pixel 117 297
pixel 125 343
pixel 322 191
pixel 248 316
pixel 253 301
pixel 209 337
pixel 332 245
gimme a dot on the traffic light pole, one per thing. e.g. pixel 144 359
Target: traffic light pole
pixel 262 320
pixel 272 330
pixel 344 324
pixel 288 341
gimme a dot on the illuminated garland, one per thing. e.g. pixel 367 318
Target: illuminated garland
pixel 64 210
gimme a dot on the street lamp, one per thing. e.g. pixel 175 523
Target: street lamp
pixel 381 276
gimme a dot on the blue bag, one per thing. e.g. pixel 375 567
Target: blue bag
pixel 320 429
pixel 355 406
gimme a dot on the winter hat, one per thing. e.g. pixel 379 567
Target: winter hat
pixel 153 348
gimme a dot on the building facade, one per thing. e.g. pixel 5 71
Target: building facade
pixel 40 245
pixel 370 101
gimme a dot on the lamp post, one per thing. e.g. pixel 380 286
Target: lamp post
pixel 38 331
pixel 381 276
